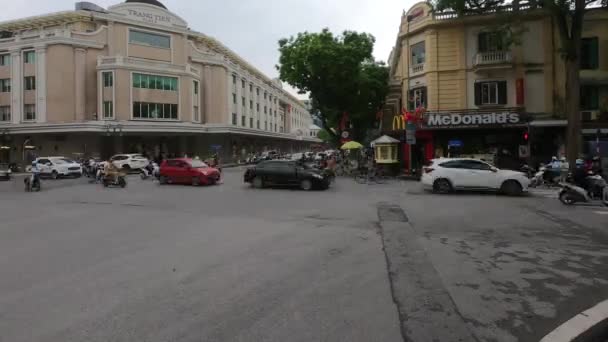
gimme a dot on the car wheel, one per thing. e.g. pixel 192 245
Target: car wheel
pixel 442 186
pixel 258 182
pixel 196 181
pixel 162 180
pixel 54 175
pixel 122 182
pixel 306 184
pixel 126 168
pixel 511 188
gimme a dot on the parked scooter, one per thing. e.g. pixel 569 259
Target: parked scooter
pixel 595 188
pixel 32 182
pixel 151 169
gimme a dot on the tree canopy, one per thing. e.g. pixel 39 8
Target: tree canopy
pixel 339 73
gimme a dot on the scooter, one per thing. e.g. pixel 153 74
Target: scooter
pixel 32 182
pixel 598 190
pixel 117 181
pixel 151 169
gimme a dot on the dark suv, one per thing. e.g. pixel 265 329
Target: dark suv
pixel 286 173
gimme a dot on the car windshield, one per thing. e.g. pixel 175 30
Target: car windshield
pixel 197 164
pixel 138 156
pixel 59 161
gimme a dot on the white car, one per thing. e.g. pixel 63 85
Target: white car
pixel 130 161
pixel 56 167
pixel 448 174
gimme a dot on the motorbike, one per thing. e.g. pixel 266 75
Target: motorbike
pixel 89 168
pixel 32 182
pixel 596 189
pixel 544 176
pixel 151 169
pixel 115 181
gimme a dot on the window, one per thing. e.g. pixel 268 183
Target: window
pixel 233 79
pixel 29 83
pixel 243 121
pixel 30 112
pixel 195 113
pixel 589 97
pixel 417 98
pixel 155 111
pixel 474 165
pixel 5 113
pixel 149 39
pixel 243 101
pixel 195 87
pixel 490 41
pixel 257 91
pixel 243 84
pixel 275 127
pixel 234 98
pixel 250 122
pixel 251 87
pixel 108 109
pixel 418 53
pixel 29 57
pixel 251 104
pixel 257 106
pixel 154 82
pixel 455 164
pixel 589 53
pixel 234 119
pixel 5 85
pixel 108 79
pixel 5 60
pixel 265 110
pixel 258 124
pixel 265 95
pixel 491 93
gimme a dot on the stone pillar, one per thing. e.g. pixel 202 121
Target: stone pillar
pixel 79 83
pixel 41 115
pixel 111 38
pixel 16 83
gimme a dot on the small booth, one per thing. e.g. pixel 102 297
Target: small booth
pixel 385 150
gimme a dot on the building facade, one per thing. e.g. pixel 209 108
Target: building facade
pixel 134 78
pixel 480 92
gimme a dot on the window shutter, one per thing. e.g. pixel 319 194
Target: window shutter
pixel 482 42
pixel 477 93
pixel 593 53
pixel 502 92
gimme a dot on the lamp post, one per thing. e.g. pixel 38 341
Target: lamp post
pixel 113 130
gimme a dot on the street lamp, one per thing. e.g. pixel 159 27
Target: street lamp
pixel 113 129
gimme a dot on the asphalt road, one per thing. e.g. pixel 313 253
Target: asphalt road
pixel 229 263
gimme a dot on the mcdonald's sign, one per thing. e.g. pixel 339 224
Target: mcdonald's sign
pixel 398 122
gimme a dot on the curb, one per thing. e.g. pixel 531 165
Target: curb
pixel 589 325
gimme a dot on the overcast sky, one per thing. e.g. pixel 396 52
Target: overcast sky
pixel 252 27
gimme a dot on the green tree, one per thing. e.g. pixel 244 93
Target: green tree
pixel 339 73
pixel 325 136
pixel 568 16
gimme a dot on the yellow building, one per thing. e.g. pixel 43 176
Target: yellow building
pixel 483 96
pixel 134 78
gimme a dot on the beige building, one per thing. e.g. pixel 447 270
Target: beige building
pixel 135 78
pixel 481 96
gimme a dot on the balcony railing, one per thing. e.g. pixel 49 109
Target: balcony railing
pixel 415 69
pixel 494 57
pixel 445 15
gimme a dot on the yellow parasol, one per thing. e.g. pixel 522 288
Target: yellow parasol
pixel 351 145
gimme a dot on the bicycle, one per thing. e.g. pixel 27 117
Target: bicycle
pixel 376 176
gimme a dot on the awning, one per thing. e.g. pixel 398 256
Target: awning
pixel 549 123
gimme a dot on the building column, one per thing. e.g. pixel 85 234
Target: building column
pixel 16 83
pixel 41 115
pixel 206 89
pixel 79 82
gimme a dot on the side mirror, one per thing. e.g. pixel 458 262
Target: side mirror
pixel 493 169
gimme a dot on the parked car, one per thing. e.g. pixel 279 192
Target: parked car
pixel 286 173
pixel 448 174
pixel 5 172
pixel 130 161
pixel 187 171
pixel 56 167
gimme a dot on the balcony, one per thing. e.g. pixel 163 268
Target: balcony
pixel 493 58
pixel 416 69
pixel 107 62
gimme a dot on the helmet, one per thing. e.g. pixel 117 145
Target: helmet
pixel 554 158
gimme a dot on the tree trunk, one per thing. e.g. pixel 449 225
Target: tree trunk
pixel 572 102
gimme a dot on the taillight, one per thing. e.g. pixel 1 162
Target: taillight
pixel 428 169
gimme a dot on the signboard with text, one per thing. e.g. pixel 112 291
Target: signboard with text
pixel 433 120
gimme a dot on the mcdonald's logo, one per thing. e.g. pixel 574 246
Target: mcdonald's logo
pixel 398 122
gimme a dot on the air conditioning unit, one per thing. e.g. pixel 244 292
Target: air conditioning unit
pixel 590 115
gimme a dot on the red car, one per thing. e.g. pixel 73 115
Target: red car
pixel 187 171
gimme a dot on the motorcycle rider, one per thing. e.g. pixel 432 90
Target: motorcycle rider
pixel 110 170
